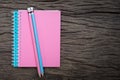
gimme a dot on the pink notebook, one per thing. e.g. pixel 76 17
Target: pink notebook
pixel 48 27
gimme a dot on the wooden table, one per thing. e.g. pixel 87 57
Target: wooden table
pixel 90 40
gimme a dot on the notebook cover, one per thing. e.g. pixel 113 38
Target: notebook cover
pixel 48 27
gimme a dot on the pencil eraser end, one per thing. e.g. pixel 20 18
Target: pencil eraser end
pixel 30 9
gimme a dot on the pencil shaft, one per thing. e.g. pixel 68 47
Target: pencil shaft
pixel 33 42
pixel 40 66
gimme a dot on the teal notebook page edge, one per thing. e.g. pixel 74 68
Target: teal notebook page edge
pixel 15 38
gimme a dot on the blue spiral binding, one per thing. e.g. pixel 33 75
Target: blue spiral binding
pixel 15 38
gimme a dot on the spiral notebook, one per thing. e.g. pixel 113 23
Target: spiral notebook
pixel 48 27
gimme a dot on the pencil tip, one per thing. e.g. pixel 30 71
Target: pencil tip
pixel 40 75
pixel 43 77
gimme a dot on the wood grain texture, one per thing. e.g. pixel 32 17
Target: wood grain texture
pixel 90 40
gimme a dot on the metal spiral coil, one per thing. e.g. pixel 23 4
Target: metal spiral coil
pixel 15 38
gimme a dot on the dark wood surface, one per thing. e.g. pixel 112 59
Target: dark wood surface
pixel 90 40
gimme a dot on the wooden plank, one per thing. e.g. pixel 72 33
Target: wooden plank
pixel 90 40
